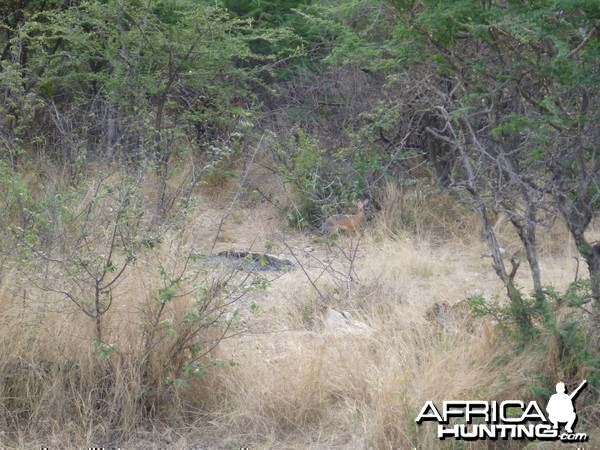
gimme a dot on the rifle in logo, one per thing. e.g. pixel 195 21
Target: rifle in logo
pixel 560 407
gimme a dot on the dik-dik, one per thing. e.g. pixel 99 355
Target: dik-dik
pixel 351 224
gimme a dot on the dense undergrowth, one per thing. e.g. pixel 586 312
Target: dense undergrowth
pixel 119 329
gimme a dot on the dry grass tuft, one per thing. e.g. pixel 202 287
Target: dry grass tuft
pixel 424 211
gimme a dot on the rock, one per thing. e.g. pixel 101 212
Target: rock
pixel 342 322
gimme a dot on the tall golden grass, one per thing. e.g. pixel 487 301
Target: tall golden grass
pixel 284 377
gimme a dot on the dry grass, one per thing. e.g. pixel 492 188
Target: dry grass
pixel 291 379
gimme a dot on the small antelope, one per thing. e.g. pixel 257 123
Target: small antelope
pixel 351 224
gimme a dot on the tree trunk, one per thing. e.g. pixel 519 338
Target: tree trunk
pixel 526 231
pixel 517 306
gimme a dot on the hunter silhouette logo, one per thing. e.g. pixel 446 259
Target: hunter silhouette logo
pixel 510 419
pixel 560 407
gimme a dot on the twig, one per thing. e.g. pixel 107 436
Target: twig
pixel 236 196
